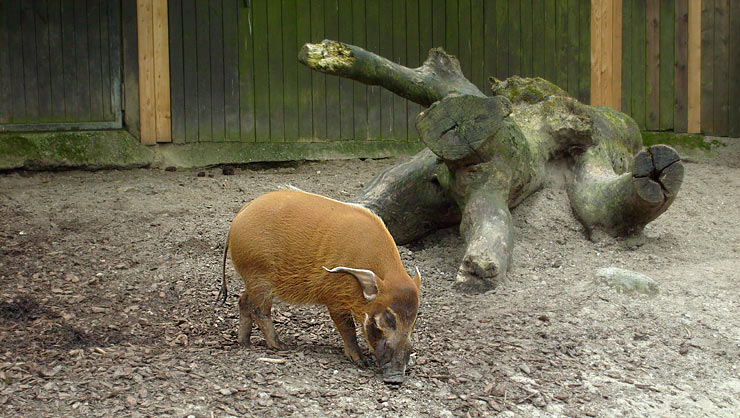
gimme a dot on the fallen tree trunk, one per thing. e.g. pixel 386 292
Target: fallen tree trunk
pixel 487 154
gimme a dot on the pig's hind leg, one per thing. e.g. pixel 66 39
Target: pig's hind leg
pixel 262 315
pixel 245 319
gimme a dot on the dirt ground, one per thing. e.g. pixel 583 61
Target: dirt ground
pixel 108 281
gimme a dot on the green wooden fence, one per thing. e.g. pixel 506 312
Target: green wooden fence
pixel 235 75
pixel 654 65
pixel 720 72
pixel 59 65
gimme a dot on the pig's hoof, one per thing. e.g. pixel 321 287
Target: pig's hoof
pixel 278 346
pixel 360 362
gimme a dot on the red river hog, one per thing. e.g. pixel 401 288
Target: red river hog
pixel 308 249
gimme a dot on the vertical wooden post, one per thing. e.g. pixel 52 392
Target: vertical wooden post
pixel 144 15
pixel 154 71
pixel 162 71
pixel 606 53
pixel 617 54
pixel 694 67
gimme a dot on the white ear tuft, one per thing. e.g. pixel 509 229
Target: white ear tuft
pixel 366 278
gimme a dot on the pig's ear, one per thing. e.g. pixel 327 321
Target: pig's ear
pixel 367 280
pixel 417 278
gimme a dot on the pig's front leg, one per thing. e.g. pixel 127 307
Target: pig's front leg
pixel 346 327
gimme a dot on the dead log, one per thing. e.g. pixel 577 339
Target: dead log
pixel 487 154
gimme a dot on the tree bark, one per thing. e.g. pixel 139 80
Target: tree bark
pixel 487 154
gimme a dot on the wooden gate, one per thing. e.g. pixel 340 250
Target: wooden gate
pixel 60 65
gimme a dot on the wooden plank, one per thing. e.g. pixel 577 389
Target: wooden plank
pixel 627 43
pixel 246 74
pixel 203 68
pixel 597 53
pixel 721 63
pixel 147 101
pixel 290 69
pixel 216 42
pixel 412 61
pixel 734 71
pixel 359 90
pixel 584 50
pixel 72 106
pixel 550 42
pixel 426 31
pixel 652 14
pixel 95 63
pixel 452 28
pixel 490 46
pixel 538 38
pixel 177 81
pixel 526 18
pixel 439 17
pixel 113 22
pixel 667 63
pixel 561 51
pixel 386 50
pixel 513 27
pixel 318 80
pixel 30 76
pixel 56 62
pixel 639 100
pixel 191 105
pixel 400 123
pixel 231 69
pixel 303 35
pixel 680 74
pixel 707 66
pixel 694 67
pixel 573 44
pixel 464 46
pixel 261 71
pixel 107 56
pixel 373 44
pixel 346 96
pixel 333 110
pixel 82 83
pixel 616 87
pixel 477 39
pixel 130 79
pixel 502 40
pixel 43 70
pixel 5 79
pixel 163 115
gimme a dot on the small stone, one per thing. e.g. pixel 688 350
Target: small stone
pixel 131 401
pixel 626 281
pixel 225 391
pixel 562 396
pixel 523 367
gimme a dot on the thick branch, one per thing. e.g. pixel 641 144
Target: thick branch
pixel 623 204
pixel 439 77
pixel 489 235
pixel 409 199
